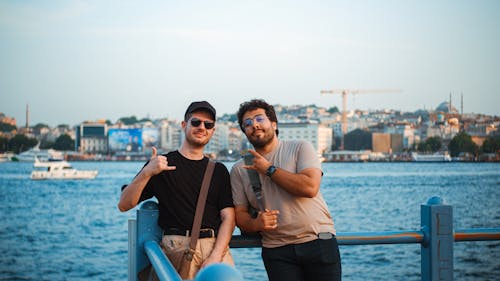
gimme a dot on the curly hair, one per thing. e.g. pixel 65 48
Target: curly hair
pixel 253 105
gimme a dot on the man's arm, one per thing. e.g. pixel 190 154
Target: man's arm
pixel 131 194
pixel 224 235
pixel 306 183
pixel 267 220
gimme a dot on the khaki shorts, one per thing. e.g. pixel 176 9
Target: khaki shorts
pixel 173 244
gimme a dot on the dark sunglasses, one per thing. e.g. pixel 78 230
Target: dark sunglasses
pixel 195 122
pixel 259 119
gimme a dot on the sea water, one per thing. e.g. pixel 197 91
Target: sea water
pixel 72 230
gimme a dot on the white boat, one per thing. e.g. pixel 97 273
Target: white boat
pixel 42 154
pixel 60 170
pixel 436 157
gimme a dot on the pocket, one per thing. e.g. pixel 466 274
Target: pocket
pixel 174 248
pixel 329 250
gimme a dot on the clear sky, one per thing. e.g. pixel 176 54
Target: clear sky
pixel 73 61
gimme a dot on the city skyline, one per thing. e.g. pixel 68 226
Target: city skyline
pixel 456 108
pixel 73 61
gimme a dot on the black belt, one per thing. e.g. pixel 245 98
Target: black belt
pixel 204 233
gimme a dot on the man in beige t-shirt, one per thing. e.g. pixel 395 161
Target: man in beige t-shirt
pixel 298 234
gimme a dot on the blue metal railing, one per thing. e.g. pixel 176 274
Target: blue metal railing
pixel 436 238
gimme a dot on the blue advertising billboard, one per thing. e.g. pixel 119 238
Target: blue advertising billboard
pixel 125 139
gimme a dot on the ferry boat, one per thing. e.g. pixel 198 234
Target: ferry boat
pixel 436 157
pixel 41 154
pixel 61 170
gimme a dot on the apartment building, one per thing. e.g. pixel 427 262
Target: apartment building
pixel 91 137
pixel 319 135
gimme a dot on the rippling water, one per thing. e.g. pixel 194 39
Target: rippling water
pixel 72 230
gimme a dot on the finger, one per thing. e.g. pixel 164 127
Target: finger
pixel 154 152
pixel 170 168
pixel 248 167
pixel 254 153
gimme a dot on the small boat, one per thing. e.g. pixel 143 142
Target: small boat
pixel 60 170
pixel 436 157
pixel 41 154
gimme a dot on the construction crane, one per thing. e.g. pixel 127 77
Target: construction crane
pixel 344 93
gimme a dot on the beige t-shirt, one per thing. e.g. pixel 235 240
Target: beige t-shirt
pixel 300 219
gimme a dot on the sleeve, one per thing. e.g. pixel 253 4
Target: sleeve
pixel 239 197
pixel 307 157
pixel 147 192
pixel 226 197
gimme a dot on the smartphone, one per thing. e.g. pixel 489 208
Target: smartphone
pixel 248 159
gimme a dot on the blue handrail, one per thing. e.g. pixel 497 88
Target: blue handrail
pixel 162 265
pixel 436 238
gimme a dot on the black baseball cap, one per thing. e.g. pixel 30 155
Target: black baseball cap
pixel 200 106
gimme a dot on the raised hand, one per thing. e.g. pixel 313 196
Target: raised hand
pixel 157 164
pixel 260 164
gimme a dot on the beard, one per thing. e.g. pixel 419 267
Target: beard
pixel 261 140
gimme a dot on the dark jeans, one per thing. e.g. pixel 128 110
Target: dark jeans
pixel 315 261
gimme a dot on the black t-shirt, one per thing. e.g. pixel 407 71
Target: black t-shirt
pixel 177 193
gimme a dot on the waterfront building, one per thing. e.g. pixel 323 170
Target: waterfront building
pixel 406 130
pixel 91 137
pixel 312 131
pixel 235 139
pixel 170 135
pixel 219 140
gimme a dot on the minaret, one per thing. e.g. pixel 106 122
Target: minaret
pixel 462 104
pixel 27 117
pixel 449 105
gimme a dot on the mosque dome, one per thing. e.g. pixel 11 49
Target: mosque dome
pixel 445 107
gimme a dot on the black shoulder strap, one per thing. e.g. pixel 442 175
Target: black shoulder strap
pixel 257 188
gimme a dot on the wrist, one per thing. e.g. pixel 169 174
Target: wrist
pixel 271 170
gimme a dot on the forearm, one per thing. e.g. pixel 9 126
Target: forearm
pixel 303 184
pixel 265 221
pixel 246 223
pixel 131 194
pixel 224 234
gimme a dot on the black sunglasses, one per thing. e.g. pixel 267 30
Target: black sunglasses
pixel 195 122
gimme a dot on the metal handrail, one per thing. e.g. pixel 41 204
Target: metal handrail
pixel 477 234
pixel 162 265
pixel 436 238
pixel 384 237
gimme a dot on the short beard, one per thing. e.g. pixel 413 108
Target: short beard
pixel 195 142
pixel 259 143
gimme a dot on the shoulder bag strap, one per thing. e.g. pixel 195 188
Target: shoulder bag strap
pixel 200 206
pixel 254 181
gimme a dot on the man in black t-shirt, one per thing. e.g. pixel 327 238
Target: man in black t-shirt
pixel 175 180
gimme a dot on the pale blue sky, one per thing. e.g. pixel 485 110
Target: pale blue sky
pixel 86 60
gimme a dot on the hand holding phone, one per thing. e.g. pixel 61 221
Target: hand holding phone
pixel 248 158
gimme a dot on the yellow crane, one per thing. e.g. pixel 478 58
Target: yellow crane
pixel 344 93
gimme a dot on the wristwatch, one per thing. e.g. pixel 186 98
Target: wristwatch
pixel 270 171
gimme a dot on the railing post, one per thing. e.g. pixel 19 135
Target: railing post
pixel 147 229
pixel 437 247
pixel 132 249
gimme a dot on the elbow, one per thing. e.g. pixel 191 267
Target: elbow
pixel 311 191
pixel 122 207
